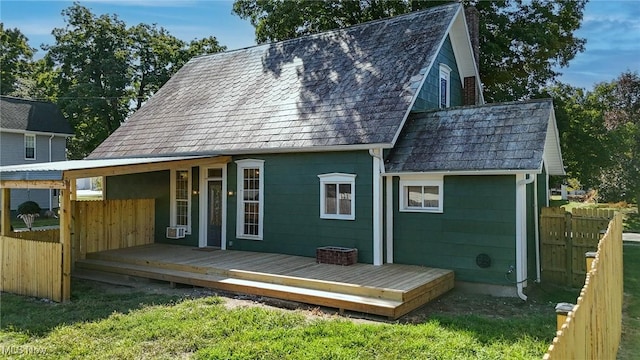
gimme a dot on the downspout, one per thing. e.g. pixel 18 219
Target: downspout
pixel 521 232
pixel 378 170
pixel 50 190
pixel 537 227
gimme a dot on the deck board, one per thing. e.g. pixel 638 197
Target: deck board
pixel 390 290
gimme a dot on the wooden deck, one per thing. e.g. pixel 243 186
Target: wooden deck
pixel 390 290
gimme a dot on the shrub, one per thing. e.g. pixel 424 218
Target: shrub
pixel 29 207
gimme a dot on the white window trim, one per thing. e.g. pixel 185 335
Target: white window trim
pixel 173 210
pixel 337 178
pixel 249 164
pixel 30 136
pixel 424 181
pixel 445 72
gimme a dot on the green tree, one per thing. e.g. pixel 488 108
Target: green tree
pixel 521 42
pixel 93 58
pixel 619 102
pixel 584 137
pixel 157 55
pixel 16 57
pixel 600 135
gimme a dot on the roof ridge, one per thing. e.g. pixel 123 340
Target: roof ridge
pixel 503 103
pixel 347 28
pixel 8 97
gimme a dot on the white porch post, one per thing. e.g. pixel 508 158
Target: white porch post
pixel 389 222
pixel 377 207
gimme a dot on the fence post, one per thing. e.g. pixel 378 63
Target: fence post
pixel 568 236
pixel 562 311
pixel 5 211
pixel 589 257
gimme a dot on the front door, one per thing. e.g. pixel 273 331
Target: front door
pixel 214 213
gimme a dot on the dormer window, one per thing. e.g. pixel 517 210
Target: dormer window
pixel 445 86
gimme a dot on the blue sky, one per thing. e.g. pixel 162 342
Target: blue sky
pixel 612 28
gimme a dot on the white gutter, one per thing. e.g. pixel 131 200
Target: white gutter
pixel 378 170
pixel 50 190
pixel 521 232
pixel 537 227
pixel 389 220
pixel 464 172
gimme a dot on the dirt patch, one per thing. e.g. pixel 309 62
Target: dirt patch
pixel 454 302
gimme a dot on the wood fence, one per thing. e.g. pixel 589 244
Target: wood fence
pixel 48 235
pixel 111 224
pixel 32 260
pixel 565 238
pixel 31 267
pixel 592 329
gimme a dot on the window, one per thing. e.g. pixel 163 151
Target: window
pixel 250 199
pixel 29 147
pixel 337 196
pixel 445 86
pixel 181 199
pixel 421 195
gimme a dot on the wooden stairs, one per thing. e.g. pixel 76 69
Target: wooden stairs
pixel 383 301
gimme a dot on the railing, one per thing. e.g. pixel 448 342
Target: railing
pixel 593 326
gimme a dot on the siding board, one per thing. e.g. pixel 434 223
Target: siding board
pixel 478 217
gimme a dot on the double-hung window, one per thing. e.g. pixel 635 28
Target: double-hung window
pixel 29 146
pixel 421 195
pixel 181 199
pixel 250 214
pixel 337 196
pixel 445 86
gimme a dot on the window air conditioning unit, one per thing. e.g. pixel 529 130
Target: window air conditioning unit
pixel 175 232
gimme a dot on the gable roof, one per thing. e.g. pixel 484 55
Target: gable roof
pixel 503 137
pixel 349 88
pixel 25 115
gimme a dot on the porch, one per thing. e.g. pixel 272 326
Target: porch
pixel 390 290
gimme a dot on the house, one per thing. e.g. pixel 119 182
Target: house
pixel 374 137
pixel 32 132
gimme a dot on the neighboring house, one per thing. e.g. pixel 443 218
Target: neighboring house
pixel 32 132
pixel 374 137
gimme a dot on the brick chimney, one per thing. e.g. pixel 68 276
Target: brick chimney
pixel 473 23
pixel 470 96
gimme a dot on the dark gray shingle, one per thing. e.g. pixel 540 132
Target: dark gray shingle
pixel 506 136
pixel 31 115
pixel 345 87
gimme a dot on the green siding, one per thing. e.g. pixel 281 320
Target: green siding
pixel 156 185
pixel 292 223
pixel 478 217
pixel 428 97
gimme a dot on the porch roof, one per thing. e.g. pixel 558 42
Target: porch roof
pixel 52 172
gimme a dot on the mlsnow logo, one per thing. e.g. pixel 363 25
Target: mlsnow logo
pixel 22 350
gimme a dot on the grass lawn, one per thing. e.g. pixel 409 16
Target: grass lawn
pixel 630 347
pixel 125 323
pixel 38 222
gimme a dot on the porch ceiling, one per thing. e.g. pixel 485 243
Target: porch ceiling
pixel 53 174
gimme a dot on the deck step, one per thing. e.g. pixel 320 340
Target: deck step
pixel 323 285
pixel 340 300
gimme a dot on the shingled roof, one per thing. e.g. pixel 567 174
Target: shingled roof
pixel 347 87
pixel 495 137
pixel 31 115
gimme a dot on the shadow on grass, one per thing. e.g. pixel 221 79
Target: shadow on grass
pixel 492 319
pixel 89 302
